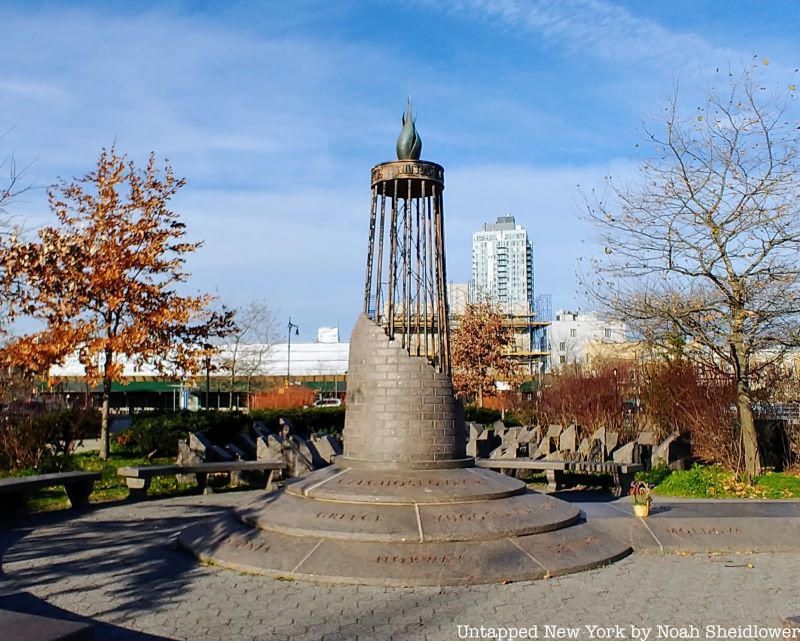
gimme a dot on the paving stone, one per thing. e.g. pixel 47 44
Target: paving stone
pixel 118 563
pixel 566 441
pixel 546 447
pixel 270 448
pixel 473 432
pixel 672 452
pixel 324 449
pixel 501 452
pixel 554 431
pixel 628 453
pixel 647 438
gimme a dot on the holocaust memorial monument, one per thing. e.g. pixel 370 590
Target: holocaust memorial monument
pixel 404 505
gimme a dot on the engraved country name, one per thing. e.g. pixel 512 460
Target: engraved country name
pixel 417 559
pixel 701 531
pixel 347 516
pixel 408 482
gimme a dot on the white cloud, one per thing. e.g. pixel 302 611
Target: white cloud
pixel 602 29
pixel 276 126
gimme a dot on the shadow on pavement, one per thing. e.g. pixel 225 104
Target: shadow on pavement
pixel 133 561
pixel 584 496
pixel 29 604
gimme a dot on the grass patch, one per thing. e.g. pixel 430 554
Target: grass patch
pixel 708 482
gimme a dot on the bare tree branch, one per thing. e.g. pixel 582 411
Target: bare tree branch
pixel 705 245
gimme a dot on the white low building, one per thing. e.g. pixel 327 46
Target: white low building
pixel 574 334
pixel 324 357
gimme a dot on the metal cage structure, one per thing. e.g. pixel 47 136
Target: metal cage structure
pixel 405 288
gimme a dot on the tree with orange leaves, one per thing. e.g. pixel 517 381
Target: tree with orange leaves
pixel 103 282
pixel 479 348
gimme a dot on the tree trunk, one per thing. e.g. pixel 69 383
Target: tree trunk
pixel 744 409
pixel 747 424
pixel 480 395
pixel 104 438
pixel 233 380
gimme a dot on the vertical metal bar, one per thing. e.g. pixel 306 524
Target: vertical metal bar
pixel 409 298
pixel 417 281
pixel 404 268
pixel 424 272
pixel 431 281
pixel 370 250
pixel 445 301
pixel 380 255
pixel 392 263
pixel 438 266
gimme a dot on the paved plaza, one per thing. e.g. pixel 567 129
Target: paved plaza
pixel 120 567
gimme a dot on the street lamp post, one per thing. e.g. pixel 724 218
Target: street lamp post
pixel 207 347
pixel 289 349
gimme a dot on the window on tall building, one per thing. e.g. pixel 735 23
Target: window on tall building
pixel 562 359
pixel 562 346
pixel 573 332
pixel 607 332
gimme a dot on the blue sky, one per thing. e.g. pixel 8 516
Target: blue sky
pixel 276 111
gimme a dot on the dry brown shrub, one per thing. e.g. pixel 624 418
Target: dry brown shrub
pixel 677 396
pixel 589 399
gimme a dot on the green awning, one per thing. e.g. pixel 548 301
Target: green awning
pixel 326 386
pixel 78 387
pixel 145 386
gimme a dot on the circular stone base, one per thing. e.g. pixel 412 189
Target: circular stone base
pixel 442 527
pixel 360 485
pixel 527 513
pixel 230 543
pixel 343 461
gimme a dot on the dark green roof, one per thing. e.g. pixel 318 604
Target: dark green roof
pixel 327 386
pixel 529 386
pixel 132 386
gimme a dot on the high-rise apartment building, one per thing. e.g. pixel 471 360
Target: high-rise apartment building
pixel 502 266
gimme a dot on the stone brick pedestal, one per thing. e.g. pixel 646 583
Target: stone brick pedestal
pixel 404 505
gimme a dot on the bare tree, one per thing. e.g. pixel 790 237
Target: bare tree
pixel 11 185
pixel 704 246
pixel 247 347
pixel 11 182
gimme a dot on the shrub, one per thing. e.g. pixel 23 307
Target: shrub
pixel 676 396
pixel 481 415
pixel 309 420
pixel 589 399
pixel 155 433
pixel 160 432
pixel 43 440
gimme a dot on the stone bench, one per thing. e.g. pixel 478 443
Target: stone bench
pixel 621 473
pixel 28 627
pixel 138 478
pixel 14 491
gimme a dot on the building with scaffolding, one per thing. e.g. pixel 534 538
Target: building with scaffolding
pixel 503 274
pixel 502 265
